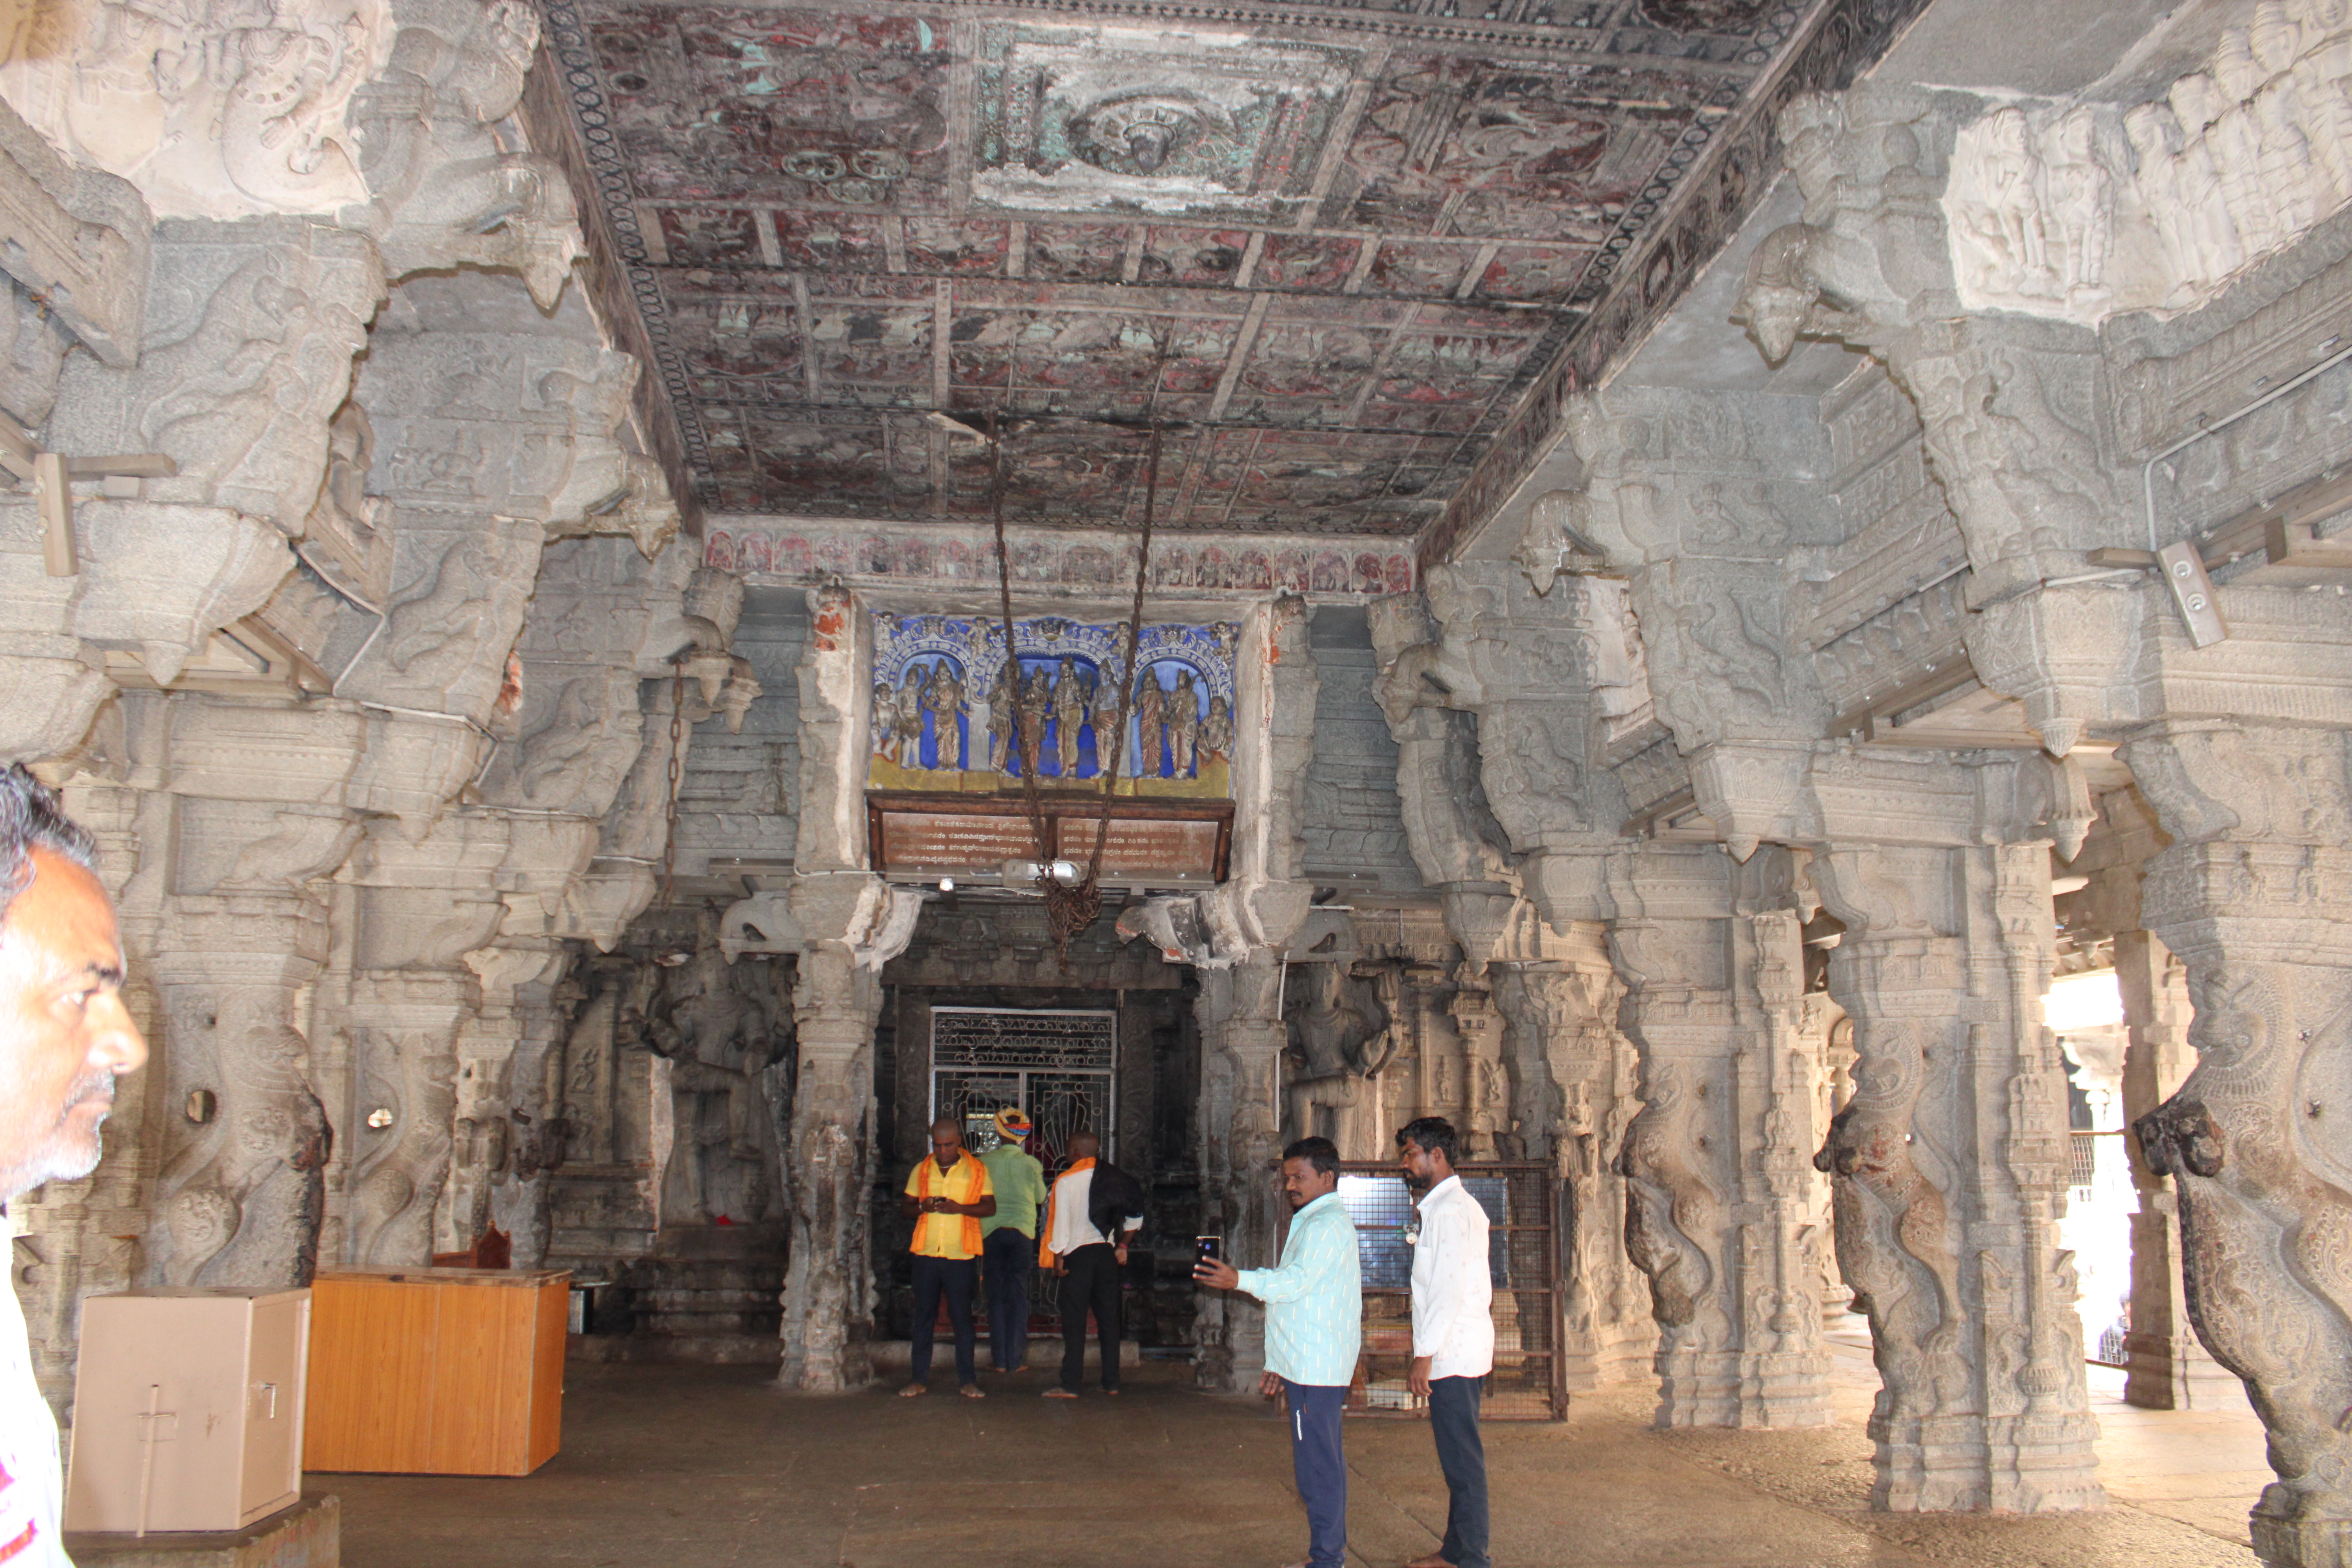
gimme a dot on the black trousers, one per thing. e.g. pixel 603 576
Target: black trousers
pixel 1007 1258
pixel 1092 1282
pixel 953 1278
pixel 1461 1455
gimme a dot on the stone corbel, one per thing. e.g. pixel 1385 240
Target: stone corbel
pixel 80 242
pixel 240 371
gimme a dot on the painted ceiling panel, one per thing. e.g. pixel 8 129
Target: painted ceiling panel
pixel 1341 256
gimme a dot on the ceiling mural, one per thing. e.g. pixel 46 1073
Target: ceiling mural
pixel 1328 251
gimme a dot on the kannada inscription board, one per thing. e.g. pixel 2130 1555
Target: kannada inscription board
pixel 953 841
pixel 912 837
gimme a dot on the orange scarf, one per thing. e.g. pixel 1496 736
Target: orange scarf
pixel 929 1172
pixel 1046 1231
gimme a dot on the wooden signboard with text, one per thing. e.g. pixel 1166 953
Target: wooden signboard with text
pixel 909 831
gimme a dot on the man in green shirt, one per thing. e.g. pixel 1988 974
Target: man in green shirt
pixel 1008 1239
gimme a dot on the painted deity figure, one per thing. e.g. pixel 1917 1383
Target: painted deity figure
pixel 910 720
pixel 885 723
pixel 1148 701
pixel 1069 714
pixel 947 708
pixel 1217 730
pixel 1036 701
pixel 1184 725
pixel 1001 699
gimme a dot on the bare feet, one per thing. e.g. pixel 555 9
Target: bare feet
pixel 972 1390
pixel 1061 1394
pixel 912 1390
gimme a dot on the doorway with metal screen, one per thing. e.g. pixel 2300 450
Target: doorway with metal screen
pixel 1058 1064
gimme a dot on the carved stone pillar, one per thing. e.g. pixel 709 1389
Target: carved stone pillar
pixel 828 1302
pixel 829 1285
pixel 423 909
pixel 240 1192
pixel 1950 1157
pixel 1717 1203
pixel 1242 1035
pixel 2252 895
pixel 1562 1003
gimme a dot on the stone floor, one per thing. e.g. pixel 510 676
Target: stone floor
pixel 675 1467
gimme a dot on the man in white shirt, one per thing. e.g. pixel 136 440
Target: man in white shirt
pixel 1452 1331
pixel 1074 1245
pixel 64 1039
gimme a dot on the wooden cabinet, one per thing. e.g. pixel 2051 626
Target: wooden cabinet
pixel 437 1370
pixel 188 1409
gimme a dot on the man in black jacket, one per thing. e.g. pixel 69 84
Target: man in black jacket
pixel 1094 1207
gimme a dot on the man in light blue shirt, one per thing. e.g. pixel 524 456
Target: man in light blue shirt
pixel 1314 1327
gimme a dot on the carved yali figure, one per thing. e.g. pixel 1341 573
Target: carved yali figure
pixel 2265 1192
pixel 1669 1201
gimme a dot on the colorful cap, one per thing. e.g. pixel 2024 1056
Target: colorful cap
pixel 1013 1124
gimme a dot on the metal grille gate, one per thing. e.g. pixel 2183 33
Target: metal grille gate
pixel 1058 1064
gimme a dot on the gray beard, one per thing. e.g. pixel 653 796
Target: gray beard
pixel 54 1158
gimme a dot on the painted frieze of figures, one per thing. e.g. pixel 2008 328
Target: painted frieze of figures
pixel 952 712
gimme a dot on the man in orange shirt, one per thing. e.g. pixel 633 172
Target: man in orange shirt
pixel 947 1196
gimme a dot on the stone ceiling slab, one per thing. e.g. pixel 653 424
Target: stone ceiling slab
pixel 1332 250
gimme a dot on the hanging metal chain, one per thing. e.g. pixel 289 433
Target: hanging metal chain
pixel 1010 684
pixel 1130 679
pixel 677 766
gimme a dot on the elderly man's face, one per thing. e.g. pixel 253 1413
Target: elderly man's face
pixel 64 1035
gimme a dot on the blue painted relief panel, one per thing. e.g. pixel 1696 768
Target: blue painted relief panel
pixel 950 714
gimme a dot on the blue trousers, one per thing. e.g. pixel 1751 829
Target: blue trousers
pixel 1461 1455
pixel 954 1278
pixel 1007 1257
pixel 1319 1468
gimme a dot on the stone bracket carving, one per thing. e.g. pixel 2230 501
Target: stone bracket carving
pixel 79 242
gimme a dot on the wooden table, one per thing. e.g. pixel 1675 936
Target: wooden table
pixel 436 1371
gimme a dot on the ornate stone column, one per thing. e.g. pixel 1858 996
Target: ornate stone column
pixel 836 909
pixel 2167 1369
pixel 1951 1156
pixel 2251 895
pixel 829 1283
pixel 1717 1211
pixel 1242 1035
